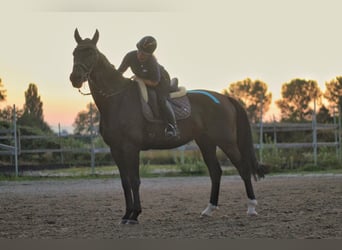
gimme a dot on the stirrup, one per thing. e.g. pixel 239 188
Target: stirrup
pixel 171 131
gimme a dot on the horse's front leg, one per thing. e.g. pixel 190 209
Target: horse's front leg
pixel 117 156
pixel 127 159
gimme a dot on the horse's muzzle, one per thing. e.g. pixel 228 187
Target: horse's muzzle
pixel 77 80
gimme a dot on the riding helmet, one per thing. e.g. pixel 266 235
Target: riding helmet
pixel 147 44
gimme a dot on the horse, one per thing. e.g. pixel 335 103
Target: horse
pixel 216 120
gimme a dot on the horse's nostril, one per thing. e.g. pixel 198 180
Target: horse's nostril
pixel 76 80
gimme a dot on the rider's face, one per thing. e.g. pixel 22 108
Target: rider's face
pixel 142 56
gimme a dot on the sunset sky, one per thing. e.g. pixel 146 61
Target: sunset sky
pixel 206 44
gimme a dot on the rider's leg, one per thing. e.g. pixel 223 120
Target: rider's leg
pixel 163 92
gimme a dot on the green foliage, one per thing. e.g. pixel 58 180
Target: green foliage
pixel 6 114
pixel 33 110
pixel 145 169
pixel 297 95
pixel 253 96
pixel 86 118
pixel 192 167
pixel 323 115
pixel 73 158
pixel 301 159
pixel 284 159
pixel 31 144
pixel 2 92
pixel 333 91
pixel 156 157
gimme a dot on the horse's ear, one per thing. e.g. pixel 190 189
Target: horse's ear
pixel 77 36
pixel 95 37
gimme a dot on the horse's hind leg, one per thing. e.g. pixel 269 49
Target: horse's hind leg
pixel 252 202
pixel 208 151
pixel 243 168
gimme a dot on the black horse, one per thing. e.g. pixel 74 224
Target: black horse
pixel 216 121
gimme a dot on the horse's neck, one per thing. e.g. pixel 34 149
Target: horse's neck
pixel 108 84
pixel 104 74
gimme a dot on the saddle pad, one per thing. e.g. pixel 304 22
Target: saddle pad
pixel 180 105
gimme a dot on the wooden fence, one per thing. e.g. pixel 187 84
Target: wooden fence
pixel 16 150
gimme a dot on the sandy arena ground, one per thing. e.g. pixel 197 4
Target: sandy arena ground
pixel 290 207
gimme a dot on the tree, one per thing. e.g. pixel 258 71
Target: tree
pixel 2 92
pixel 323 115
pixel 333 92
pixel 85 118
pixel 253 96
pixel 297 96
pixel 6 114
pixel 33 110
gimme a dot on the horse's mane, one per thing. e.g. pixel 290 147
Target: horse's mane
pixel 108 64
pixel 105 60
pixel 112 79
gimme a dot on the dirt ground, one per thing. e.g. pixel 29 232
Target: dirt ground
pixel 290 207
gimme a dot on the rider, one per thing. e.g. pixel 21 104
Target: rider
pixel 145 66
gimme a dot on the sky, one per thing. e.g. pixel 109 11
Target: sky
pixel 206 44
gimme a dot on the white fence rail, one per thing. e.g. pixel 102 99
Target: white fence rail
pixel 16 150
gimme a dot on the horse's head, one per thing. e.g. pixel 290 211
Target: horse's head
pixel 85 58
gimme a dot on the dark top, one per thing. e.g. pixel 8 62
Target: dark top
pixel 149 70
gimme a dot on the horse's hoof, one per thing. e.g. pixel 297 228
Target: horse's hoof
pixel 251 214
pixel 209 211
pixel 251 208
pixel 132 222
pixel 123 222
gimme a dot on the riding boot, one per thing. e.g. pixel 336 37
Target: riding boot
pixel 172 128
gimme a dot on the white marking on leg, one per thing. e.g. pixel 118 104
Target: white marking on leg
pixel 209 210
pixel 251 204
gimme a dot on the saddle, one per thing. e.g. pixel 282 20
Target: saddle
pixel 178 100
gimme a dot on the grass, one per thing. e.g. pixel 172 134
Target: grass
pixel 145 171
pixel 302 171
pixel 88 172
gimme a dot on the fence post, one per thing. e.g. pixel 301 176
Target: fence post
pixel 15 141
pixel 339 131
pixel 261 129
pixel 336 136
pixel 314 133
pixel 60 142
pixel 92 150
pixel 275 141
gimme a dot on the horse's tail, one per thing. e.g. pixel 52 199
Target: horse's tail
pixel 245 143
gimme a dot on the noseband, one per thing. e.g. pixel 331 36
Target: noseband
pixel 87 73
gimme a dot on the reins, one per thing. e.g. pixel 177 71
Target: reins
pixel 82 93
pixel 102 92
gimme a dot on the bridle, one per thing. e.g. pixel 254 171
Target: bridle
pixel 101 91
pixel 88 71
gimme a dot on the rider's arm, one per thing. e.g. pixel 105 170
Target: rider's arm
pixel 125 63
pixel 150 83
